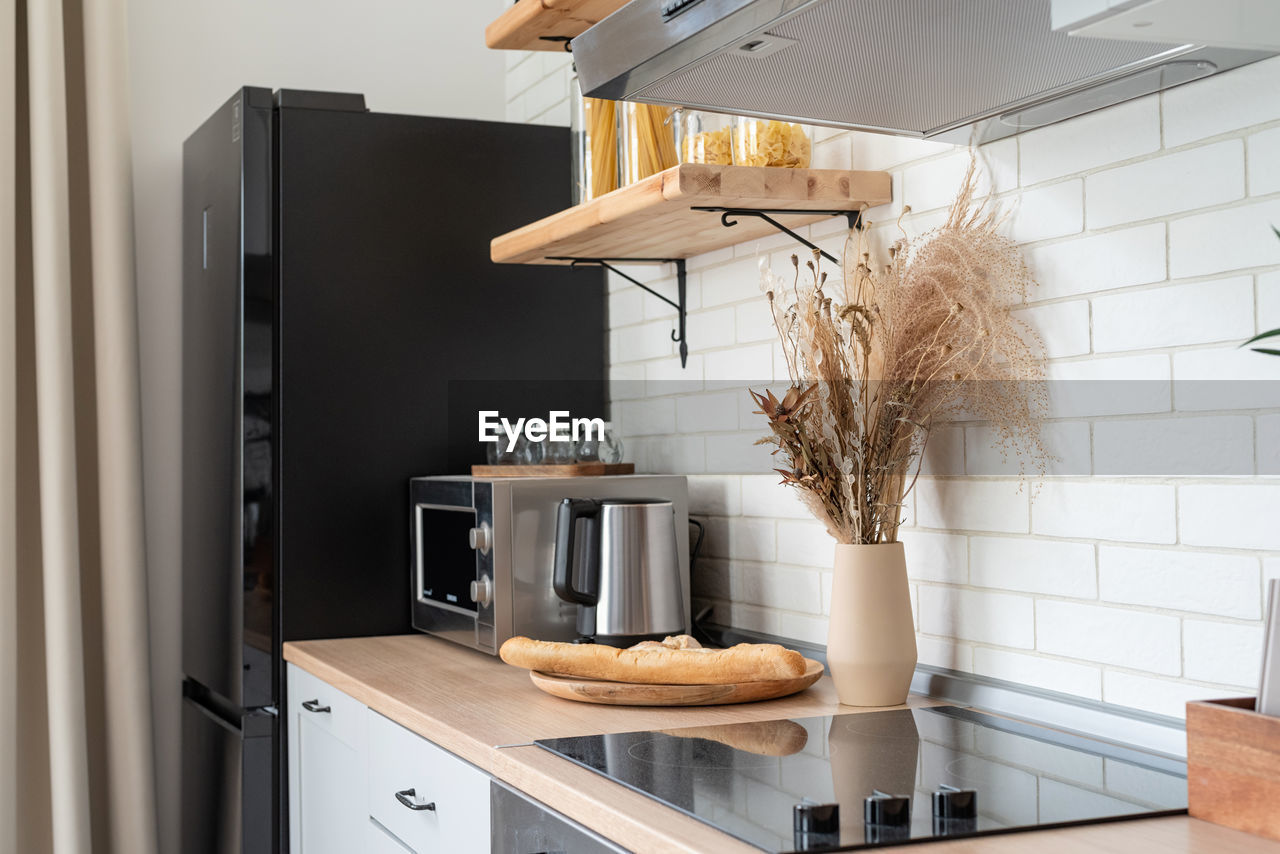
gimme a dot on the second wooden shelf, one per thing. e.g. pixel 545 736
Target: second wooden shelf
pixel 655 218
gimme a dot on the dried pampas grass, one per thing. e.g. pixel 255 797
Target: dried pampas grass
pixel 893 350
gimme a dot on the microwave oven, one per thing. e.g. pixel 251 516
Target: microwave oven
pixel 482 552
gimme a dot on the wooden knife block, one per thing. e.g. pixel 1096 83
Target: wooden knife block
pixel 1233 765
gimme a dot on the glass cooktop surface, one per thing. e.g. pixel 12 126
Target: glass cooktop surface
pixel 897 776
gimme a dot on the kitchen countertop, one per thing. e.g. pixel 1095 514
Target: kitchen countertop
pixel 488 713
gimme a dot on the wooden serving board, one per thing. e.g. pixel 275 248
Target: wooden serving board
pixel 573 470
pixel 634 694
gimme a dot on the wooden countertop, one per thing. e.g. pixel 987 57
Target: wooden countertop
pixel 488 713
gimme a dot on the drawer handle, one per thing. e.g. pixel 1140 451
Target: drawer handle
pixel 407 798
pixel 314 706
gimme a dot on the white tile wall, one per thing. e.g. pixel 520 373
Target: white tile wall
pixel 1134 572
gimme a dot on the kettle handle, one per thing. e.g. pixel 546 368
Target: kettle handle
pixel 567 516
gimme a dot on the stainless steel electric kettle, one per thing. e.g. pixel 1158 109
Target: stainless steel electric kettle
pixel 616 558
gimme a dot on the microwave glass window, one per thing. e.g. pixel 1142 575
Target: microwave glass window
pixel 448 561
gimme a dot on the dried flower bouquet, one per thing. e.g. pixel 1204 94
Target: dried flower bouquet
pixel 877 360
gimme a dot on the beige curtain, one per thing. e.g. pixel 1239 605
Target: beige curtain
pixel 76 763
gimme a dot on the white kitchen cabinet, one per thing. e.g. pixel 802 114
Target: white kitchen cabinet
pixel 327 767
pixel 428 798
pixel 359 782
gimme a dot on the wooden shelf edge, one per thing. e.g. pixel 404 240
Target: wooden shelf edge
pixel 653 218
pixel 529 24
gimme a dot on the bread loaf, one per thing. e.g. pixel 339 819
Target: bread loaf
pixel 746 662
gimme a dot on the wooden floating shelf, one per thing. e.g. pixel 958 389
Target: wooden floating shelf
pixel 546 24
pixel 654 218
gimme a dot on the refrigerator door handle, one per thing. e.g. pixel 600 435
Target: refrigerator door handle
pixel 314 706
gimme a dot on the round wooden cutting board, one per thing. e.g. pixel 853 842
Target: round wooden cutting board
pixel 633 694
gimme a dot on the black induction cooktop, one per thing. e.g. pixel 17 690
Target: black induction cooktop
pixel 905 775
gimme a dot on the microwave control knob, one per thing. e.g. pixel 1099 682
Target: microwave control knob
pixel 481 538
pixel 482 591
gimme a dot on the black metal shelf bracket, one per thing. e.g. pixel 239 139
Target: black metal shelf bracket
pixel 727 219
pixel 565 40
pixel 679 304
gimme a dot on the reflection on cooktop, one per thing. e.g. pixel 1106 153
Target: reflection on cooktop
pixel 897 776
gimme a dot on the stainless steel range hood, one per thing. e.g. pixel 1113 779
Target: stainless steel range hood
pixel 945 69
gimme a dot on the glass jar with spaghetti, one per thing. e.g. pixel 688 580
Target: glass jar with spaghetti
pixel 648 140
pixel 593 126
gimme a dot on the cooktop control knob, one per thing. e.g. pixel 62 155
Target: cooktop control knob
pixel 886 810
pixel 815 818
pixel 482 591
pixel 952 803
pixel 480 538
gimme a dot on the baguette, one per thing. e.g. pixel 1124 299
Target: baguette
pixel 746 662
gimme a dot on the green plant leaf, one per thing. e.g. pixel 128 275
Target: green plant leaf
pixel 1266 351
pixel 1262 335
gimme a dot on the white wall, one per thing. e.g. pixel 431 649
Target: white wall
pixel 1148 226
pixel 187 57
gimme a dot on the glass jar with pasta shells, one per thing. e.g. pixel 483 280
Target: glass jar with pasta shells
pixel 647 140
pixel 593 127
pixel 703 137
pixel 769 142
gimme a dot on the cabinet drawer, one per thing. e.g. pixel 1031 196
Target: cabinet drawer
pixel 326 707
pixel 399 761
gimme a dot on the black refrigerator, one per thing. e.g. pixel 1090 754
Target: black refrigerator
pixel 342 324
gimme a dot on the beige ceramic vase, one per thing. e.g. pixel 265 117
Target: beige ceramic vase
pixel 871 641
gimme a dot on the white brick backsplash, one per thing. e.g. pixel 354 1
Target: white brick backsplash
pixel 1176 445
pixel 668 455
pixel 1228 653
pixel 1066 443
pixel 777 587
pixel 1126 385
pixel 944 653
pixel 806 543
pixel 647 417
pixel 1160 696
pixel 1233 516
pixel 755 322
pixel 741 539
pixel 1184 181
pixel 1039 672
pixel 715 495
pixel 1268 303
pixel 1172 316
pixel 1099 262
pixel 1096 139
pixel 1062 328
pixel 1053 211
pixel 972 505
pixel 1033 566
pixel 737 453
pixel 667 376
pixel 1267 431
pixel 1118 636
pixel 1234 238
pixel 1131 512
pixel 763 495
pixel 706 413
pixel 1270 571
pixel 709 329
pixel 936 557
pixel 1224 378
pixel 1264 162
pixel 1225 585
pixel 1155 258
pixel 750 365
pixel 996 618
pixel 1225 102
